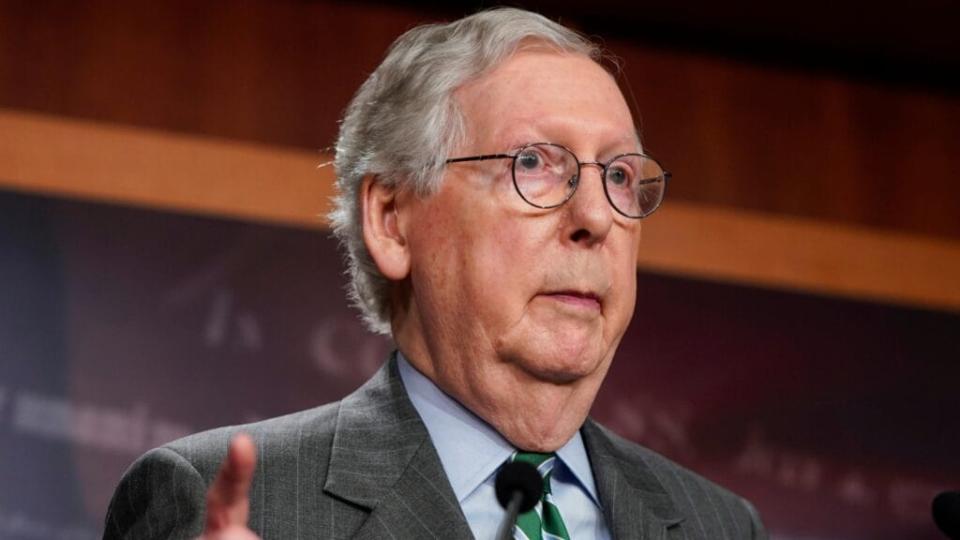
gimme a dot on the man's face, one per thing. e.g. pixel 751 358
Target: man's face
pixel 506 296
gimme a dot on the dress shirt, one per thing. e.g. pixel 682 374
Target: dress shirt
pixel 471 453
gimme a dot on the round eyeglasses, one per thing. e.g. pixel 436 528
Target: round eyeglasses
pixel 546 175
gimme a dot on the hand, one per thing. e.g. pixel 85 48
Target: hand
pixel 228 501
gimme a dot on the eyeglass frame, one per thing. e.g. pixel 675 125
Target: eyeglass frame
pixel 603 175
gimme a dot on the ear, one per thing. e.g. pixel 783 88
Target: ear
pixel 381 230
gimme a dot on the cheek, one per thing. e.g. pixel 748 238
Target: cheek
pixel 625 281
pixel 502 270
pixel 497 262
pixel 628 300
pixel 434 242
pixel 461 256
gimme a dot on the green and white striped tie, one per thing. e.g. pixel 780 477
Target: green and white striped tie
pixel 543 522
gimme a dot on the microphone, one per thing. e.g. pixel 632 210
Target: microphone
pixel 946 513
pixel 518 487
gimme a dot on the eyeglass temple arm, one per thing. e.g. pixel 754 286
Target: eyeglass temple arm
pixel 480 158
pixel 666 177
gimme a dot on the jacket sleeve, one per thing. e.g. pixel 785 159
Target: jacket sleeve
pixel 161 496
pixel 756 525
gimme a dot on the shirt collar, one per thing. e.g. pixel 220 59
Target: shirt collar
pixel 470 450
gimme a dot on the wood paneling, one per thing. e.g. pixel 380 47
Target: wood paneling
pixel 800 144
pixel 802 254
pixel 278 72
pixel 257 182
pixel 128 165
pixel 281 71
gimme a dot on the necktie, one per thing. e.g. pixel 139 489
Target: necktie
pixel 543 522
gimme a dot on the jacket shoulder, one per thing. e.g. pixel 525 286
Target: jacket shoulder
pixel 160 496
pixel 163 493
pixel 699 500
pixel 276 439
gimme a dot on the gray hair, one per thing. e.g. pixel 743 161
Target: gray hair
pixel 404 121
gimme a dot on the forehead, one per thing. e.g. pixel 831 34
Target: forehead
pixel 545 95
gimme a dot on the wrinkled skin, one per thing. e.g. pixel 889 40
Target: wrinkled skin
pixel 515 311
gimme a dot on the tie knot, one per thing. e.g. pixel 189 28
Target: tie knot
pixel 543 521
pixel 543 462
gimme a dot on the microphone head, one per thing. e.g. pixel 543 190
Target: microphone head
pixel 518 476
pixel 946 513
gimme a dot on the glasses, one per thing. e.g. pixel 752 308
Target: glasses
pixel 546 175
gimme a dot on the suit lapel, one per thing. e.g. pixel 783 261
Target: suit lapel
pixel 420 504
pixel 382 460
pixel 635 504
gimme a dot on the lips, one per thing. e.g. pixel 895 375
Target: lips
pixel 583 299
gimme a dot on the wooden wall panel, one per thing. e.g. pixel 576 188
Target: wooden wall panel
pixel 280 72
pixel 272 184
pixel 183 173
pixel 800 144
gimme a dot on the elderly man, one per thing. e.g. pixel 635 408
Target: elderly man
pixel 492 184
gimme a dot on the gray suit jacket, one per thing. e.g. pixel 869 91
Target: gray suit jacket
pixel 365 468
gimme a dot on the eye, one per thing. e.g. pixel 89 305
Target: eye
pixel 529 160
pixel 619 174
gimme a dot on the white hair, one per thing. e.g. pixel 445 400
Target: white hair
pixel 404 121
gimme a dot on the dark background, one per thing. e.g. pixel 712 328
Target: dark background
pixel 134 327
pixel 122 328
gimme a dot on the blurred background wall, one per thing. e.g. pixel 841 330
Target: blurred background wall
pixel 163 251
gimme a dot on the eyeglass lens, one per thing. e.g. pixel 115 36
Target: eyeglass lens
pixel 546 175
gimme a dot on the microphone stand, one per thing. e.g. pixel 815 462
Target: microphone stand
pixel 505 532
pixel 518 486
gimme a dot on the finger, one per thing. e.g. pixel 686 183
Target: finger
pixel 227 499
pixel 232 532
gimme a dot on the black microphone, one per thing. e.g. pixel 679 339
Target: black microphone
pixel 946 513
pixel 519 487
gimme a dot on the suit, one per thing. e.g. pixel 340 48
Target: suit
pixel 365 468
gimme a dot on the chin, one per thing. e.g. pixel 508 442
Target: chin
pixel 545 445
pixel 553 424
pixel 561 361
pixel 555 349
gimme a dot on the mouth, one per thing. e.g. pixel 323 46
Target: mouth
pixel 580 299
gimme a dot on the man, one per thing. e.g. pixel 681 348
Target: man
pixel 492 184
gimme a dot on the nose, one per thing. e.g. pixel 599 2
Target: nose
pixel 591 215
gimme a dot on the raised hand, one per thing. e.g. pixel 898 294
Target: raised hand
pixel 228 501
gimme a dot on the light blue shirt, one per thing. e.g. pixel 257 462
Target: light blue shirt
pixel 471 452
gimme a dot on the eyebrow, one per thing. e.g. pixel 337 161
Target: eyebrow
pixel 531 134
pixel 609 151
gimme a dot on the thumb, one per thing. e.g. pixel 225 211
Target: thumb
pixel 228 501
